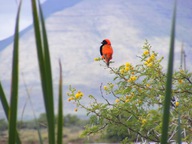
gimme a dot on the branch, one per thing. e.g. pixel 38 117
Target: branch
pixel 188 80
pixel 101 128
pixel 103 95
pixel 117 73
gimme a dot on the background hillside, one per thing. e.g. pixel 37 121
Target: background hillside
pixel 75 31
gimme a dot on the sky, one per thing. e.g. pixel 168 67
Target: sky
pixel 75 31
pixel 8 10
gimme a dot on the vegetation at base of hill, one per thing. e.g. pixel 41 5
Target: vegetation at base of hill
pixel 69 121
pixel 73 127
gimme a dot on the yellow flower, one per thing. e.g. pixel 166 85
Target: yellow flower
pixel 146 52
pixel 180 81
pixel 150 64
pixel 127 64
pixel 126 69
pixel 117 100
pixel 97 59
pixel 149 60
pixel 153 56
pixel 132 79
pixel 122 71
pixel 176 103
pixel 78 95
pixel 105 88
pixel 75 109
pixel 70 99
pixel 143 121
pixel 127 100
pixel 81 94
pixel 147 85
pixel 146 63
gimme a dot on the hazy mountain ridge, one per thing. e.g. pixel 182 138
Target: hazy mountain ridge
pixel 75 29
pixel 49 7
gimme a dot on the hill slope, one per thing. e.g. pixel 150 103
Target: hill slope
pixel 75 30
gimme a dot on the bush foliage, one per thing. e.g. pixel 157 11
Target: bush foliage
pixel 138 92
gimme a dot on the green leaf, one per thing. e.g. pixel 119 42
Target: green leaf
pixel 6 109
pixel 44 67
pixel 167 100
pixel 14 84
pixel 4 101
pixel 60 109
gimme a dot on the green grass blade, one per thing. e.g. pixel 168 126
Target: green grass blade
pixel 44 67
pixel 168 92
pixel 38 43
pixel 51 117
pixel 6 109
pixel 4 101
pixel 39 48
pixel 46 54
pixel 14 84
pixel 60 109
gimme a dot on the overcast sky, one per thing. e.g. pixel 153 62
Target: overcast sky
pixel 8 10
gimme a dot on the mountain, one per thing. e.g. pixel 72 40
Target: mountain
pixel 49 7
pixel 75 31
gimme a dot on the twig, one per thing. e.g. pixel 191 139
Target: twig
pixel 103 95
pixel 101 128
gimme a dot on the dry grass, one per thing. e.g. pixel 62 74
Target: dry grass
pixel 70 136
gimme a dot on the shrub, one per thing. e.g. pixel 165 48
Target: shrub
pixel 138 92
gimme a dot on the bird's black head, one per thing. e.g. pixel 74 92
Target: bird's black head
pixel 106 41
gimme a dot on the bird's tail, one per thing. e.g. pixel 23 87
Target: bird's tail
pixel 107 62
pixel 107 57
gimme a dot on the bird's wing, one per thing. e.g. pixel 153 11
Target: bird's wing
pixel 101 47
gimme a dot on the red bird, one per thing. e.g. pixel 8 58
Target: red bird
pixel 106 51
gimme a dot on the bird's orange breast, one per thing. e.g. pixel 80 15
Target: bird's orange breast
pixel 107 49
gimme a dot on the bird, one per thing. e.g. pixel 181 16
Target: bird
pixel 106 51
